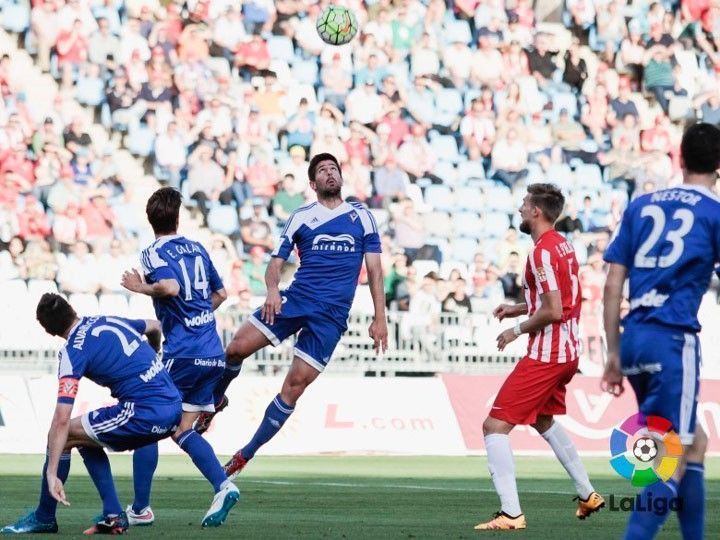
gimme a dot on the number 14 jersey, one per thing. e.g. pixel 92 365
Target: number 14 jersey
pixel 552 266
pixel 188 321
pixel 670 242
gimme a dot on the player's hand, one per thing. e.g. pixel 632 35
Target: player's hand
pixel 612 379
pixel 132 280
pixel 504 311
pixel 506 337
pixel 57 490
pixel 271 307
pixel 378 333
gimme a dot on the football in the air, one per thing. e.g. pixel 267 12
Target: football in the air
pixel 336 25
pixel 645 449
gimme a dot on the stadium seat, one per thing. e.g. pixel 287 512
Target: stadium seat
pixel 448 266
pixel 535 173
pixel 113 304
pixel 141 307
pixel 13 290
pixel 468 224
pixel 448 107
pixel 440 197
pixel 496 224
pixel 470 198
pixel 223 219
pixel 414 193
pixel 588 176
pixel 499 199
pixel 438 224
pixel 85 304
pixel 457 30
pixel 425 267
pixel 564 100
pixel 561 175
pixel 470 169
pixel 38 287
pixel 446 171
pixel 464 249
pixel 445 148
pixel 281 48
pixel 305 72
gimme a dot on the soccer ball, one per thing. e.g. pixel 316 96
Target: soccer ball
pixel 645 449
pixel 336 25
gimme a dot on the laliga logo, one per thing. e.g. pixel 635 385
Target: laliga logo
pixel 645 449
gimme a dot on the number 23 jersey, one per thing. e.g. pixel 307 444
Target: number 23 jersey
pixel 670 242
pixel 188 321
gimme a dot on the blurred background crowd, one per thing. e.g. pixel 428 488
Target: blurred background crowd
pixel 439 111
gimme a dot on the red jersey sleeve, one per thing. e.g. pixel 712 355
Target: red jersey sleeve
pixel 544 266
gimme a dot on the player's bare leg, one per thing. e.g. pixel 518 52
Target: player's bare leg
pixel 298 378
pixel 589 501
pixel 690 476
pixel 247 341
pixel 502 472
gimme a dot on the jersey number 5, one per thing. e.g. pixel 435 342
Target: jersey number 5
pixel 674 236
pixel 201 281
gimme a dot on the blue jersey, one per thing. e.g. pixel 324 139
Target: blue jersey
pixel 110 352
pixel 331 245
pixel 670 242
pixel 188 321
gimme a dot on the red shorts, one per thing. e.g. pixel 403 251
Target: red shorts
pixel 533 389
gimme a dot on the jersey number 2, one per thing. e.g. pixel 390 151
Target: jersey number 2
pixel 675 237
pixel 129 347
pixel 201 281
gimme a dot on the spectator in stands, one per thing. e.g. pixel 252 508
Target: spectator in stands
pixel 104 47
pixel 425 307
pixel 709 105
pixel 206 179
pixel 73 276
pixel 622 104
pixel 492 291
pixel 541 60
pixel 33 221
pixel 287 200
pixel 568 134
pixel 569 221
pixel 417 158
pixel 509 159
pixel 228 33
pixel 101 221
pixel 253 56
pixel 47 135
pixel 69 227
pixel 364 105
pixel 120 98
pixel 110 265
pixel 254 269
pixel 40 261
pixel 218 116
pixel 457 301
pixel 337 82
pixel 256 230
pixel 300 126
pixel 72 48
pixel 478 131
pixel 658 73
pixel 512 278
pixel 262 176
pixel 170 155
pixel 409 229
pixel 390 183
pixel 237 281
pixel 43 20
pixel 76 138
pixel 487 67
pixel 575 73
pixel 16 169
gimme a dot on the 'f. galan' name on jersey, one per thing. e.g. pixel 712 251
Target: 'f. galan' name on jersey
pixel 331 245
pixel 188 321
pixel 552 266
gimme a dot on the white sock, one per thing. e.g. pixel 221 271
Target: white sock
pixel 502 472
pixel 566 453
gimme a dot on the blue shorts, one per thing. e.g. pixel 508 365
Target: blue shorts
pixel 129 425
pixel 321 326
pixel 663 367
pixel 196 379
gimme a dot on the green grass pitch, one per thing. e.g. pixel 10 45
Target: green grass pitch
pixel 346 497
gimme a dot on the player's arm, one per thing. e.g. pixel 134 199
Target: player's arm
pixel 153 333
pixel 218 297
pixel 58 434
pixel 163 288
pixel 612 301
pixel 378 328
pixel 510 311
pixel 273 301
pixel 550 311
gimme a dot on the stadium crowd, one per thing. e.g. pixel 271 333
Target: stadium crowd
pixel 440 113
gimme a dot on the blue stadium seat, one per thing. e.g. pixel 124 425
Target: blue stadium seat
pixel 561 175
pixel 85 304
pixel 535 173
pixel 470 198
pixel 464 249
pixel 457 30
pixel 564 100
pixel 440 197
pixel 448 105
pixel 588 176
pixel 499 199
pixel 496 224
pixel 446 170
pixel 470 169
pixel 438 224
pixel 114 304
pixel 305 72
pixel 445 146
pixel 224 219
pixel 468 225
pixel 281 48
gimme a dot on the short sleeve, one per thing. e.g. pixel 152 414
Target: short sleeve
pixel 371 238
pixel 620 249
pixel 544 266
pixel 154 266
pixel 70 371
pixel 138 325
pixel 286 243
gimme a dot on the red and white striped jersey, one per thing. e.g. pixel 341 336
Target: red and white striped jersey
pixel 552 266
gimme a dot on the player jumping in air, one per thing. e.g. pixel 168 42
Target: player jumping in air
pixel 110 352
pixel 535 391
pixel 667 245
pixel 332 237
pixel 186 290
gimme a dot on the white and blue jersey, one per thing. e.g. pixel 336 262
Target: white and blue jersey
pixel 670 243
pixel 331 245
pixel 192 349
pixel 110 351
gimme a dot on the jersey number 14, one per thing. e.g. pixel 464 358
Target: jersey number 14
pixel 201 282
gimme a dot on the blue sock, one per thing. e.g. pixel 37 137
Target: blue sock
pixel 203 457
pixel 655 500
pixel 145 462
pixel 98 466
pixel 692 498
pixel 45 511
pixel 275 416
pixel 229 375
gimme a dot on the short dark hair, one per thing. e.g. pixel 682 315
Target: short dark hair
pixel 548 198
pixel 317 159
pixel 163 209
pixel 700 148
pixel 55 314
